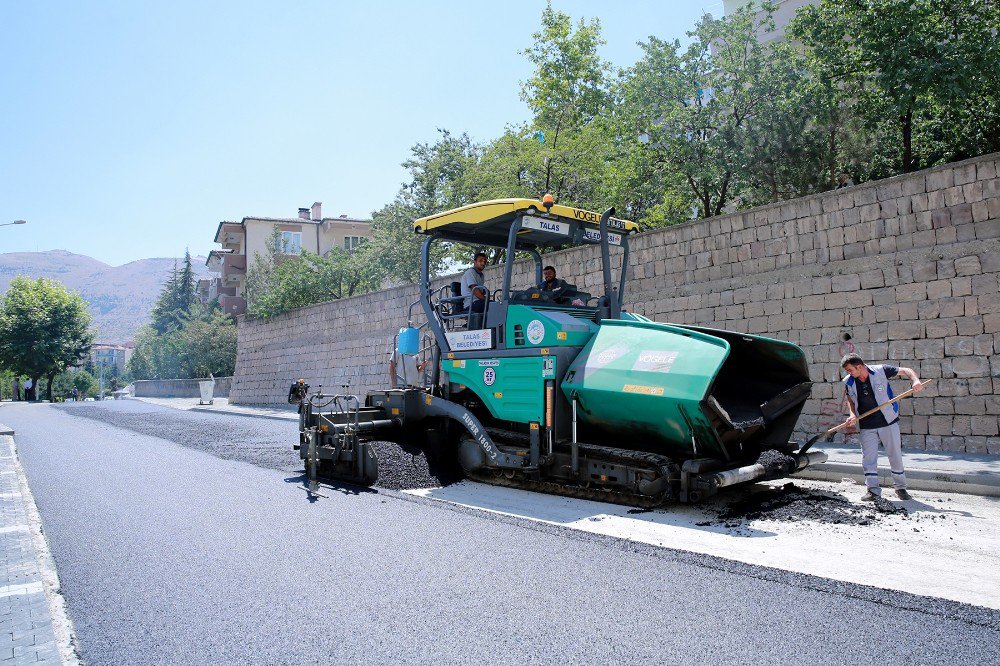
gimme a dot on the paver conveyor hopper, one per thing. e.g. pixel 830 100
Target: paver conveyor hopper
pixel 566 392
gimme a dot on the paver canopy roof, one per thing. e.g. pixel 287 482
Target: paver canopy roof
pixel 489 222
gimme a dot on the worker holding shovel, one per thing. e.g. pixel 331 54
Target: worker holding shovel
pixel 867 388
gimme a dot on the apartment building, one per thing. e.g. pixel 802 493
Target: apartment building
pixel 783 13
pixel 110 357
pixel 242 242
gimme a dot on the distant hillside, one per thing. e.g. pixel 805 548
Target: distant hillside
pixel 120 297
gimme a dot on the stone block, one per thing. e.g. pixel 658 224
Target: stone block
pixel 850 282
pixel 911 292
pixel 966 366
pixel 888 209
pixel 986 229
pixel 984 425
pixel 970 405
pixel 973 192
pixel 981 385
pixel 865 195
pixel 940 328
pixel 961 214
pixel 983 345
pixel 906 330
pixel 871 279
pixel 961 286
pixel 969 325
pixel 914 184
pixel 925 271
pixel 989 303
pixel 954 196
pixel 965 174
pixel 958 346
pixel 870 212
pixel 991 323
pixel 939 425
pixel 981 212
pixel 940 218
pixel 949 235
pixel 984 284
pixel 975 444
pixel 939 180
pixel 928 349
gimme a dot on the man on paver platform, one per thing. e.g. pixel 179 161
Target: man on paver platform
pixel 867 387
pixel 474 285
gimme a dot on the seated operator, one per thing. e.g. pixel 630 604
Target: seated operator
pixel 474 285
pixel 558 289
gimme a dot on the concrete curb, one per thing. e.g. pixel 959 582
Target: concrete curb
pixel 916 479
pixel 62 626
pixel 233 412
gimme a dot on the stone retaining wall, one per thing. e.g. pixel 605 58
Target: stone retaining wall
pixel 905 269
pixel 179 388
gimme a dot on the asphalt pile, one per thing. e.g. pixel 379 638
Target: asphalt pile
pixel 776 463
pixel 792 503
pixel 403 467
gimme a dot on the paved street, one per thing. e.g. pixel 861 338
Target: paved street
pixel 187 538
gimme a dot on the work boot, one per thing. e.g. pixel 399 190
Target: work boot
pixel 869 497
pixel 903 495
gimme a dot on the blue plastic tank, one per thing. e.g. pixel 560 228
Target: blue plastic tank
pixel 408 341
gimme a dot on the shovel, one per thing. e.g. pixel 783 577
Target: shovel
pixel 868 413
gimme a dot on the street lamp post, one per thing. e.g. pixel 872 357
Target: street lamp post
pixel 7 224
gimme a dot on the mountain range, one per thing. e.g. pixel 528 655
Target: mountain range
pixel 120 297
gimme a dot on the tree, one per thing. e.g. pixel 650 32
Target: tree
pixel 176 297
pixel 720 113
pixel 44 329
pixel 923 74
pixel 209 343
pixel 84 382
pixel 567 91
pixel 310 278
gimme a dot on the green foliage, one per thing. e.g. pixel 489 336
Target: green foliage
pixel 44 328
pixel 176 298
pixel 920 76
pixel 184 339
pixel 204 343
pixel 85 383
pixel 298 281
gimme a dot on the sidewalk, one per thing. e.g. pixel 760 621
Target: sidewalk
pixel 33 624
pixel 970 473
pixel 943 471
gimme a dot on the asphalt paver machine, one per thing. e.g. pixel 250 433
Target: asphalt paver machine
pixel 565 393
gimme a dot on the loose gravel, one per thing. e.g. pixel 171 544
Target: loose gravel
pixel 789 502
pixel 404 467
pixel 776 463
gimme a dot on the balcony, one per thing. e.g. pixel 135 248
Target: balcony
pixel 234 269
pixel 231 236
pixel 232 305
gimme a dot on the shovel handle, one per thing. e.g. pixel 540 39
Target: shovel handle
pixel 843 425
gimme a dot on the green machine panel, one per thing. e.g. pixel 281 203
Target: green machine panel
pixel 538 327
pixel 512 389
pixel 645 381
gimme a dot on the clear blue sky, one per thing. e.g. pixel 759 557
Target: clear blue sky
pixel 128 130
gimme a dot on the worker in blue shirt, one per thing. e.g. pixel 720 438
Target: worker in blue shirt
pixel 867 387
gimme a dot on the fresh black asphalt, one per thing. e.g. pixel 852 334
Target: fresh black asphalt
pixel 172 549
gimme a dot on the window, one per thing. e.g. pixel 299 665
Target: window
pixel 351 243
pixel 290 242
